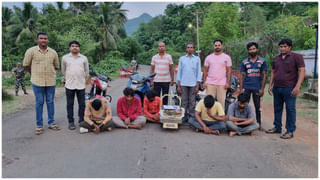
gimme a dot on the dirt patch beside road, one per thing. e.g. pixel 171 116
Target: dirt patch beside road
pixel 26 101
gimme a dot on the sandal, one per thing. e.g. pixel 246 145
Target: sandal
pixel 287 135
pixel 273 131
pixel 38 131
pixel 54 127
pixel 72 127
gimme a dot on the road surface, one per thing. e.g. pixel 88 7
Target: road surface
pixel 151 152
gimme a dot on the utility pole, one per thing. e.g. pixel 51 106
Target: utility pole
pixel 198 43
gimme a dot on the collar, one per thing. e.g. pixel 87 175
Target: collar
pixel 250 59
pixel 70 54
pixel 40 49
pixel 289 54
pixel 164 54
pixel 188 56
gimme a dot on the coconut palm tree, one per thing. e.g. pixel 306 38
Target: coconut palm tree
pixel 6 14
pixel 81 7
pixel 111 20
pixel 23 21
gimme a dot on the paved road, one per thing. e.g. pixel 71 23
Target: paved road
pixel 149 153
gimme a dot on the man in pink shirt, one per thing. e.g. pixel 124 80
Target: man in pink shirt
pixel 162 65
pixel 129 111
pixel 217 73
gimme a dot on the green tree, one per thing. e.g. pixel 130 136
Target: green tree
pixel 111 19
pixel 130 47
pixel 23 21
pixel 222 22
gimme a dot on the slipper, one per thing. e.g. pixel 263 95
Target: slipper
pixel 273 131
pixel 287 135
pixel 54 127
pixel 38 131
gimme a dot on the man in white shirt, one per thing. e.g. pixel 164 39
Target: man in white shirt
pixel 75 69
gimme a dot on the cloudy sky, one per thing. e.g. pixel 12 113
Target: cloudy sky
pixel 135 9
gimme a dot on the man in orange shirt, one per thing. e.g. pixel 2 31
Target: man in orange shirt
pixel 152 105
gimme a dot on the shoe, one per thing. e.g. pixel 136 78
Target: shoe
pixel 16 94
pixel 25 93
pixel 83 130
pixel 72 127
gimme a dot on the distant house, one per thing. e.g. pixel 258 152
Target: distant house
pixel 308 56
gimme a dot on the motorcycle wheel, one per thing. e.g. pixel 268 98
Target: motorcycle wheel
pixel 109 98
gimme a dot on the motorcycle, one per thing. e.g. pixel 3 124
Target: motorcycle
pixel 230 98
pixel 99 86
pixel 139 83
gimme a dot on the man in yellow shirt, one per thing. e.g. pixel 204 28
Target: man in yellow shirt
pixel 42 62
pixel 209 116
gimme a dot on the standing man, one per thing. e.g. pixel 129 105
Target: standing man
pixel 253 77
pixel 188 80
pixel 42 62
pixel 75 69
pixel 18 72
pixel 217 73
pixel 288 71
pixel 162 65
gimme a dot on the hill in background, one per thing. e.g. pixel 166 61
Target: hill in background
pixel 133 24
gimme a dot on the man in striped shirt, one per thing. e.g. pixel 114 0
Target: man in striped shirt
pixel 162 65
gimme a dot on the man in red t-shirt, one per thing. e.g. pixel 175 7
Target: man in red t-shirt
pixel 152 105
pixel 287 75
pixel 129 111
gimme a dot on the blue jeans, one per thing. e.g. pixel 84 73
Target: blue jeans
pixel 41 92
pixel 280 96
pixel 214 125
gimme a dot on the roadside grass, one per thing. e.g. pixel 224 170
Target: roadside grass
pixel 305 107
pixel 10 106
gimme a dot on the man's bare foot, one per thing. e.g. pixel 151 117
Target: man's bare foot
pixel 135 126
pixel 232 133
pixel 261 128
pixel 215 132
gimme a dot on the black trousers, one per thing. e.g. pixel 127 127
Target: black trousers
pixel 256 101
pixel 70 93
pixel 164 87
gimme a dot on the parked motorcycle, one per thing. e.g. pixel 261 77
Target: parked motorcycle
pixel 139 83
pixel 99 86
pixel 230 98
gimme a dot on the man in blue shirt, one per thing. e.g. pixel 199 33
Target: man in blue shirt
pixel 253 77
pixel 188 80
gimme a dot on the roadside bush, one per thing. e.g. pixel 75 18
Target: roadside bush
pixel 107 65
pixel 9 82
pixel 6 96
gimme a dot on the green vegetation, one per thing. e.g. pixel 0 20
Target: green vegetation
pixel 10 106
pixel 305 108
pixel 99 27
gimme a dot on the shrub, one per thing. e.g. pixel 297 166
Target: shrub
pixel 6 96
pixel 110 66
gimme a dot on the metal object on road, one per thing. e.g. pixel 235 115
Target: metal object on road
pixel 171 115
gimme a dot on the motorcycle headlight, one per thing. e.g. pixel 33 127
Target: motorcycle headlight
pixel 134 87
pixel 104 85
